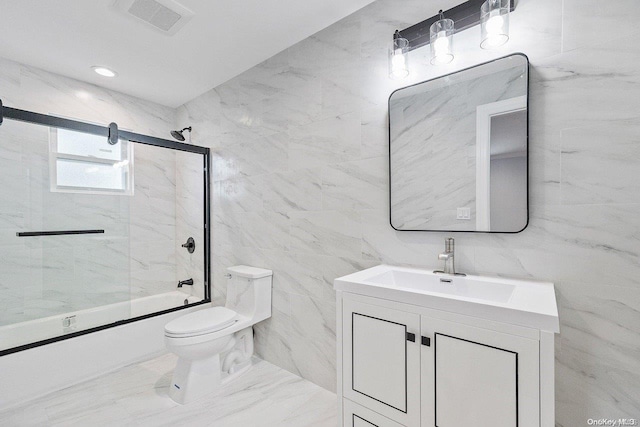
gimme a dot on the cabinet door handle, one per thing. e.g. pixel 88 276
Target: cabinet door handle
pixel 426 341
pixel 411 337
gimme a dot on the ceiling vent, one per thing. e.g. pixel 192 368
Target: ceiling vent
pixel 166 16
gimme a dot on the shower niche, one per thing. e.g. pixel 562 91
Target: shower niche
pixel 92 225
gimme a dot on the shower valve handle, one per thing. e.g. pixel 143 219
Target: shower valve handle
pixel 190 245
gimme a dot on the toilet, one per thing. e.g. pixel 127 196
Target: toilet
pixel 215 345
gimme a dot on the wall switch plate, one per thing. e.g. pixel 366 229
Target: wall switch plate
pixel 464 213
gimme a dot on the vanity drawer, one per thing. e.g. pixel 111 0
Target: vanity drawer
pixel 359 416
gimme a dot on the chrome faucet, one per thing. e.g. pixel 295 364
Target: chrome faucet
pixel 448 256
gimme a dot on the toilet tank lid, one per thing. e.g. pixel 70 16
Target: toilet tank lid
pixel 249 272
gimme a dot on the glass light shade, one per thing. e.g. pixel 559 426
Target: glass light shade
pixel 494 23
pixel 441 39
pixel 399 58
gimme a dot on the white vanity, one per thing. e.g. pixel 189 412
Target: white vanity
pixel 419 349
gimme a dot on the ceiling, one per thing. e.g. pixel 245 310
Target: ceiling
pixel 223 39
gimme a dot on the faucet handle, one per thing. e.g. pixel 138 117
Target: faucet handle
pixel 449 244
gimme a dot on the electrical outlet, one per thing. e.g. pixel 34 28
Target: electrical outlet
pixel 464 213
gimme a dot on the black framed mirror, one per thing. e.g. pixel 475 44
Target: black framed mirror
pixel 458 150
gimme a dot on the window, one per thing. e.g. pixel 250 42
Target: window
pixel 84 163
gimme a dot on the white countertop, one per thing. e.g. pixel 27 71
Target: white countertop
pixel 519 302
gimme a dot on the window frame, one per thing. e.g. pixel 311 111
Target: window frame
pixel 128 169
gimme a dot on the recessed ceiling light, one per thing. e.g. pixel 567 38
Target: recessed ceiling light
pixel 105 72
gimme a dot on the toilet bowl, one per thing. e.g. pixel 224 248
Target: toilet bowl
pixel 215 345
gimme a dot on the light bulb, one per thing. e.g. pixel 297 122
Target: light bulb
pixel 441 50
pixel 494 15
pixel 398 64
pixel 399 67
pixel 441 44
pixel 441 39
pixel 494 25
pixel 398 61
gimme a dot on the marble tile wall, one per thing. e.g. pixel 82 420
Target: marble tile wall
pixel 189 220
pixel 300 185
pixel 152 217
pixel 138 255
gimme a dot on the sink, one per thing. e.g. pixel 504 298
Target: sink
pixel 522 302
pixel 441 284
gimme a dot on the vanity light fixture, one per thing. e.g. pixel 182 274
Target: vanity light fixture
pixel 399 57
pixel 441 40
pixel 494 23
pixel 491 15
pixel 104 71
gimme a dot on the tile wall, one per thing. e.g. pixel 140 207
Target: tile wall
pixel 300 184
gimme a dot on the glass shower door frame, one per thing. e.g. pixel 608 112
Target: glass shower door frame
pixel 110 132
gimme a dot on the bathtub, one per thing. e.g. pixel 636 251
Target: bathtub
pixel 35 330
pixel 67 362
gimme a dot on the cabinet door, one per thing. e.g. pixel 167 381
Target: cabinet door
pixel 473 376
pixel 359 416
pixel 381 360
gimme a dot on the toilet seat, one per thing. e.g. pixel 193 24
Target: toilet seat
pixel 201 322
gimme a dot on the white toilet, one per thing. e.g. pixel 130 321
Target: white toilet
pixel 215 345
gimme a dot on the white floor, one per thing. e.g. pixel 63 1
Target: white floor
pixel 266 396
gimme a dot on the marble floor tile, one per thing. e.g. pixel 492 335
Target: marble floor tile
pixel 136 395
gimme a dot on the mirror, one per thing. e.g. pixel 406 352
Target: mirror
pixel 458 150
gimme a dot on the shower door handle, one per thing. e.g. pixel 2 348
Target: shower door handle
pixel 56 233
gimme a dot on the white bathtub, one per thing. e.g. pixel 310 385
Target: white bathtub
pixel 54 326
pixel 155 303
pixel 31 373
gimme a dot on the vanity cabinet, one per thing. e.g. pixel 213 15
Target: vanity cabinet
pixel 382 360
pixel 473 376
pixel 404 365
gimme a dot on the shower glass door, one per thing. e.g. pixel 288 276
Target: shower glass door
pixel 58 182
pixel 94 234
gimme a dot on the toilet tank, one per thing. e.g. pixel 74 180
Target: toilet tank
pixel 249 291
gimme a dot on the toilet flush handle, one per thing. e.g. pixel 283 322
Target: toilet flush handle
pixel 228 275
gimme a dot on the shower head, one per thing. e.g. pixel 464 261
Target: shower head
pixel 178 134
